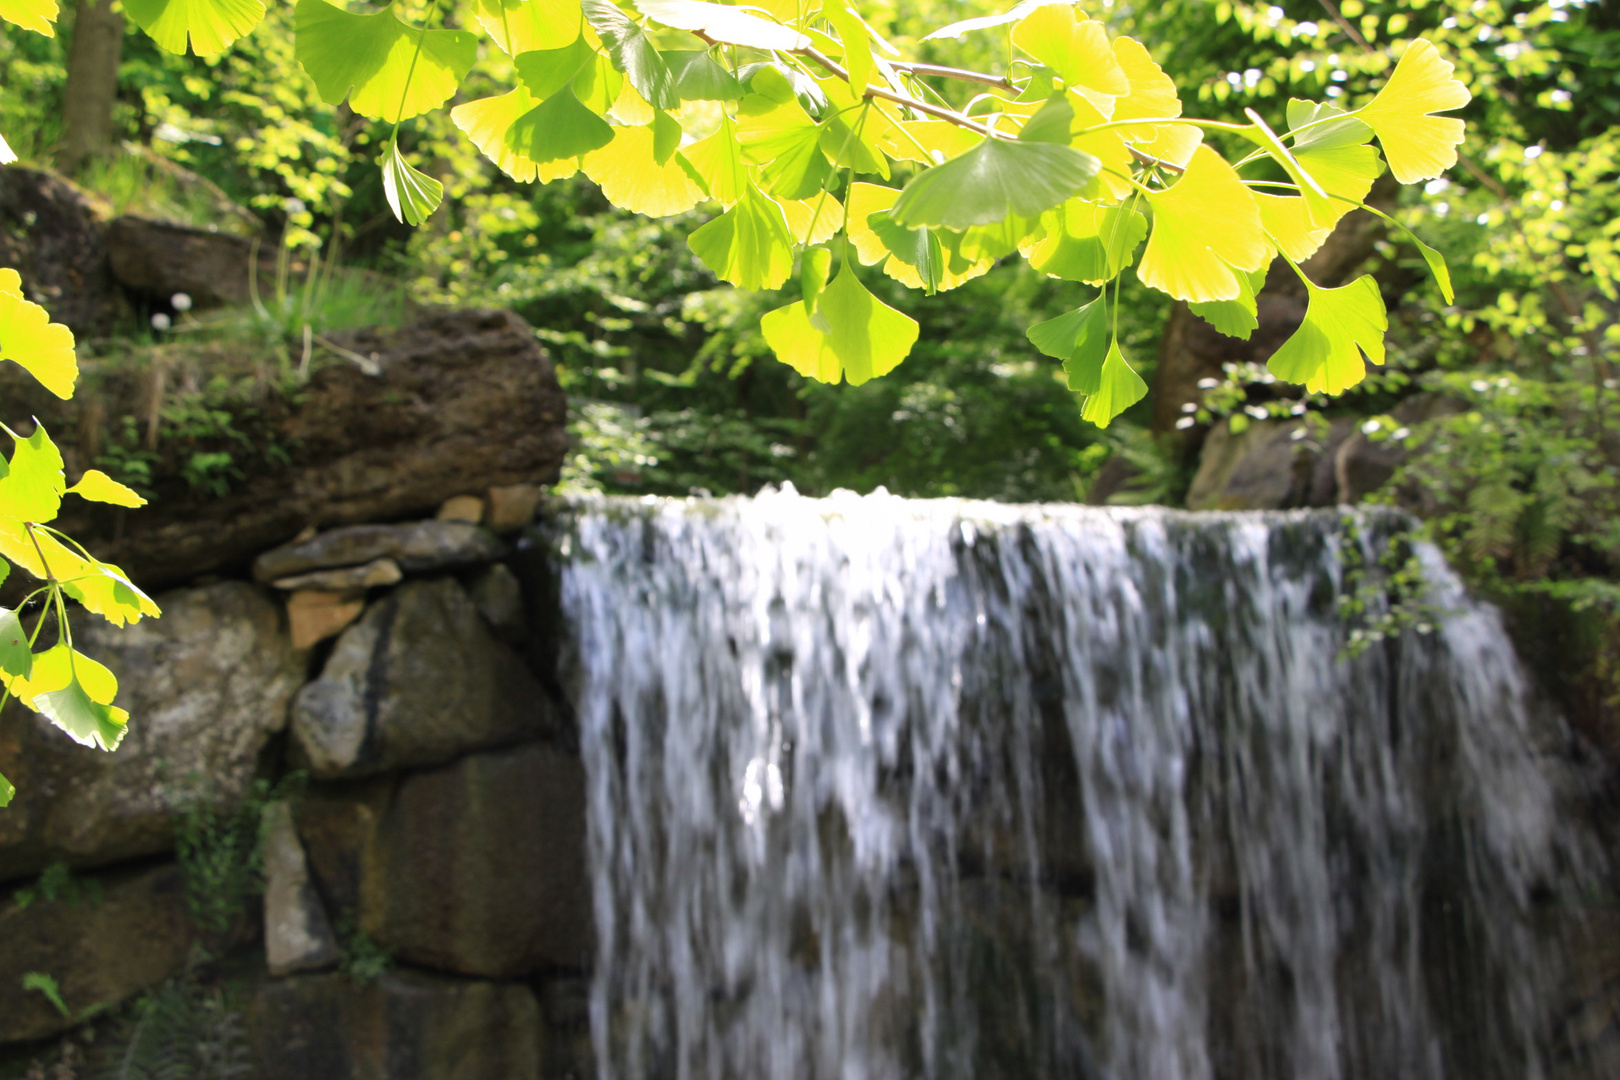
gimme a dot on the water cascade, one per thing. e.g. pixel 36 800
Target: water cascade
pixel 887 789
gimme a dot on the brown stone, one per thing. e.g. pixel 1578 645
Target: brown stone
pixel 512 506
pixel 1269 465
pixel 405 1026
pixel 157 259
pixel 99 949
pixel 52 233
pixel 316 614
pixel 369 575
pixel 461 508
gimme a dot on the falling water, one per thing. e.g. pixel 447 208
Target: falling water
pixel 887 789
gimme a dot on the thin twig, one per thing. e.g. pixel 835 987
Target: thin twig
pixel 944 72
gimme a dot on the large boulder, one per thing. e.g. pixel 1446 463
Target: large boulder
pixel 104 943
pixel 207 686
pixel 405 1026
pixel 156 259
pixel 418 680
pixel 1268 465
pixel 460 401
pixel 414 547
pixel 476 868
pixel 52 233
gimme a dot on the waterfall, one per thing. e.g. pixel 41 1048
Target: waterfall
pixel 883 789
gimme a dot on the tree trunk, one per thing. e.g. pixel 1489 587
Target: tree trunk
pixel 92 84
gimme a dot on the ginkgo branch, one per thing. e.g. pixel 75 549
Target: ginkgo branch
pixel 962 74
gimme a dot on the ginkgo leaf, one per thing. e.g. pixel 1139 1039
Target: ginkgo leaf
pixel 1418 145
pixel 857 39
pixel 1206 228
pixel 8 791
pixel 988 22
pixel 86 721
pixel 1088 242
pixel 999 238
pixel 1323 208
pixel 633 53
pixel 850 145
pixel 32 486
pixel 666 136
pixel 1437 266
pixel 36 15
pixel 7 155
pixel 560 127
pixel 750 245
pixel 918 248
pixel 1051 123
pixel 996 178
pixel 519 26
pixel 1340 324
pixel 101 587
pixel 599 86
pixel 1235 318
pixel 1118 388
pixel 718 161
pixel 97 486
pixel 626 171
pixel 781 83
pixel 44 349
pixel 545 71
pixel 852 335
pixel 213 25
pixel 1153 95
pixel 1077 49
pixel 721 23
pixel 412 195
pixel 813 221
pixel 864 201
pixel 387 69
pixel 700 77
pixel 930 142
pixel 1080 339
pixel 15 656
pixel 75 693
pixel 488 120
pixel 813 271
pixel 786 143
pixel 1335 150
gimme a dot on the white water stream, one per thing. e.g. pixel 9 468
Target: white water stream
pixel 887 789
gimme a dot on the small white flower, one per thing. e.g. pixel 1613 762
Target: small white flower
pixel 1370 426
pixel 1184 423
pixel 180 301
pixel 160 321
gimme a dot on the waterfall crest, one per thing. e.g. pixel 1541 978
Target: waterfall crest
pixel 883 788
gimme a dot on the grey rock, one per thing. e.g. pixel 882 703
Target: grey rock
pixel 100 949
pixel 207 686
pixel 414 547
pixel 498 596
pixel 160 258
pixel 369 575
pixel 297 933
pixel 1269 465
pixel 477 867
pixel 1362 466
pixel 417 681
pixel 406 1026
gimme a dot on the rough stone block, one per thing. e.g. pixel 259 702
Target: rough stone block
pixel 418 547
pixel 461 508
pixel 371 575
pixel 316 614
pixel 297 933
pixel 512 506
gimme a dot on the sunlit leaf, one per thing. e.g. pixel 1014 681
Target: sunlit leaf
pixel 1206 228
pixel 1080 339
pixel 519 26
pixel 32 486
pixel 1088 242
pixel 213 25
pixel 412 195
pixel 7 156
pixel 1153 95
pixel 1077 49
pixel 560 127
pixel 813 221
pixel 633 53
pixel 918 248
pixel 44 349
pixel 1051 122
pixel 700 77
pixel 1336 153
pixel 1437 266
pixel 813 270
pixel 545 71
pixel 1118 388
pixel 750 245
pixel 989 22
pixel 786 143
pixel 1288 222
pixel 999 238
pixel 852 335
pixel 101 587
pixel 488 120
pixel 1325 353
pixel 630 178
pixel 75 693
pixel 718 162
pixel 996 178
pixel 1235 318
pixel 15 657
pixel 722 23
pixel 35 15
pixel 1418 145
pixel 856 37
pixel 929 142
pixel 387 69
pixel 864 201
pixel 8 791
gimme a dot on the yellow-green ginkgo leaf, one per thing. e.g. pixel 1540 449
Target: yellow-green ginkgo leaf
pixel 700 77
pixel 785 142
pixel 1080 339
pixel 559 128
pixel 1088 242
pixel 27 335
pixel 387 69
pixel 718 161
pixel 412 195
pixel 1118 388
pixel 1335 150
pixel 8 791
pixel 1235 318
pixel 519 26
pixel 488 120
pixel 101 587
pixel 813 221
pixel 720 22
pixel 1290 225
pixel 97 486
pixel 212 25
pixel 857 39
pixel 1077 49
pixel 7 155
pixel 1340 325
pixel 630 177
pixel 1206 228
pixel 852 335
pixel 929 142
pixel 1153 96
pixel 997 178
pixel 849 140
pixel 864 201
pixel 545 71
pixel 32 486
pixel 988 22
pixel 36 15
pixel 633 53
pixel 1418 145
pixel 750 245
pixel 75 693
pixel 15 658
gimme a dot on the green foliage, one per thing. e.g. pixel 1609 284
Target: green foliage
pixel 220 850
pixel 45 984
pixel 363 960
pixel 1385 589
pixel 184 1030
pixel 56 884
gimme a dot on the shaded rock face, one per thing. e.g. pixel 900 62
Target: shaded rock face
pixel 99 949
pixel 53 235
pixel 207 686
pixel 477 867
pixel 461 401
pixel 156 259
pixel 297 933
pixel 1270 465
pixel 415 547
pixel 418 680
pixel 406 1026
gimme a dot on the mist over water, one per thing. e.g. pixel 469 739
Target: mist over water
pixel 883 788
